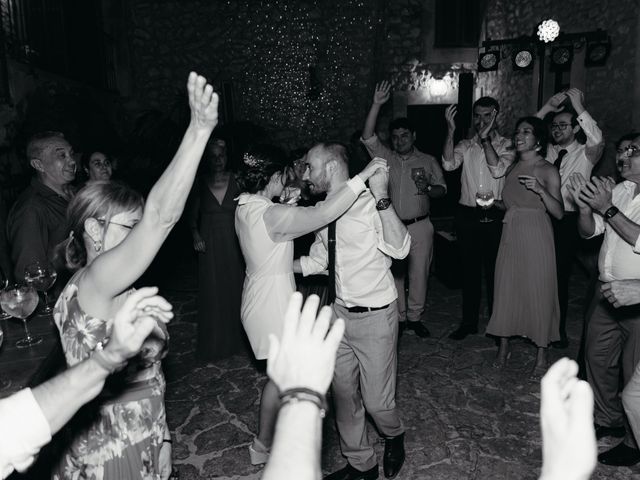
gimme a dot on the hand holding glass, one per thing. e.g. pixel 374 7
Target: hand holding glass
pixel 20 301
pixel 41 276
pixel 485 201
pixel 418 175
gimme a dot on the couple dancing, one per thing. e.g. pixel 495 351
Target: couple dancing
pixel 368 233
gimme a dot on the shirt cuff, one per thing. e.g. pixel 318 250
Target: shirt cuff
pixel 310 267
pixel 636 247
pixel 398 253
pixel 356 185
pixel 370 141
pixel 25 430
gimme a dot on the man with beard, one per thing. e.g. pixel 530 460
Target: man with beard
pixel 367 237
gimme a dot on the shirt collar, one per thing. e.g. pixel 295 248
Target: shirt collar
pixel 569 148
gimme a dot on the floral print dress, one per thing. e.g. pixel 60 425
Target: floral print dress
pixel 118 435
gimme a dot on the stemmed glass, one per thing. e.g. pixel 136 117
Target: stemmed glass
pixel 4 384
pixel 20 301
pixel 4 315
pixel 41 276
pixel 418 174
pixel 485 199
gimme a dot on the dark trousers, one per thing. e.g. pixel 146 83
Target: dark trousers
pixel 567 242
pixel 478 243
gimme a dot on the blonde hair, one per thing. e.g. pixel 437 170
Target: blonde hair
pixel 100 200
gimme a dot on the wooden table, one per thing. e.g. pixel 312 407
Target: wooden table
pixel 30 366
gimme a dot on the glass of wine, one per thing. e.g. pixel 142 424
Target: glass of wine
pixel 20 301
pixel 41 276
pixel 4 315
pixel 485 199
pixel 418 175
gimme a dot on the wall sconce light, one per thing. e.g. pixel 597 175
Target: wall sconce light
pixel 438 87
pixel 522 58
pixel 597 53
pixel 561 57
pixel 488 61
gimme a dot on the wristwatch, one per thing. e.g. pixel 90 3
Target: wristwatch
pixel 383 204
pixel 610 213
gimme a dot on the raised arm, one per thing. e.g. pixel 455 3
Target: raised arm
pixel 595 142
pixel 554 104
pixel 450 160
pixel 115 270
pixel 380 97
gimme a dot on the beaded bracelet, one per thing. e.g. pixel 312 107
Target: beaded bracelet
pixel 301 394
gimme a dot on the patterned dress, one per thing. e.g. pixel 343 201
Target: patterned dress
pixel 118 435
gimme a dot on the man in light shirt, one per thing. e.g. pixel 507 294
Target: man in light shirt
pixel 484 158
pixel 411 195
pixel 570 156
pixel 367 237
pixel 613 334
pixel 30 417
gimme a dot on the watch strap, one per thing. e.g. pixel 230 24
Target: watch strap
pixel 610 212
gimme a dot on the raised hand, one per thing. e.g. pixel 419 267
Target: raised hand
pixel 531 183
pixel 554 104
pixel 576 183
pixel 569 447
pixel 372 167
pixel 487 128
pixel 306 354
pixel 381 94
pixel 379 183
pixel 577 99
pixel 203 102
pixel 621 293
pixel 449 115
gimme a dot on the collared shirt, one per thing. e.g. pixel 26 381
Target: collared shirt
pixel 477 175
pixel 402 188
pixel 618 260
pixel 363 258
pixel 579 158
pixel 23 431
pixel 36 224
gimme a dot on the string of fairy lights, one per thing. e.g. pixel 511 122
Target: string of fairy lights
pixel 303 61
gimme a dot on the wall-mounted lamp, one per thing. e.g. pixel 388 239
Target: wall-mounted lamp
pixel 438 87
pixel 561 57
pixel 488 61
pixel 522 58
pixel 597 53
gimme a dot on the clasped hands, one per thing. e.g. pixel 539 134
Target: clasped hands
pixel 594 195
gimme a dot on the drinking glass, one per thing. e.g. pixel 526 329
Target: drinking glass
pixel 4 315
pixel 485 199
pixel 20 301
pixel 4 384
pixel 41 276
pixel 418 174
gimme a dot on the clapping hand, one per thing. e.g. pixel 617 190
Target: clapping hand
pixel 372 167
pixel 381 95
pixel 449 115
pixel 305 355
pixel 569 447
pixel 598 194
pixel 203 102
pixel 576 184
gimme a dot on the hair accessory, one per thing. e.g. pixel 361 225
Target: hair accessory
pixel 97 245
pixel 71 235
pixel 251 160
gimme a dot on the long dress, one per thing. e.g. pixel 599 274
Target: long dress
pixel 118 435
pixel 269 281
pixel 220 273
pixel 526 291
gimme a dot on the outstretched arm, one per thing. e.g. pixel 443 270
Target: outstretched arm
pixel 450 160
pixel 380 96
pixel 595 142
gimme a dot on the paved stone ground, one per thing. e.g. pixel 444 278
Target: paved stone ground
pixel 464 419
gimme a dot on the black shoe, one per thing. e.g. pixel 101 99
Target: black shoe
pixel 462 332
pixel 393 455
pixel 419 329
pixel 351 473
pixel 603 431
pixel 620 456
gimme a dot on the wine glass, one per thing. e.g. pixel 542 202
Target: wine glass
pixel 417 175
pixel 485 199
pixel 4 384
pixel 41 276
pixel 4 315
pixel 20 301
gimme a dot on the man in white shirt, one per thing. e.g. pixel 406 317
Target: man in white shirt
pixel 484 158
pixel 570 156
pixel 612 334
pixel 367 237
pixel 30 417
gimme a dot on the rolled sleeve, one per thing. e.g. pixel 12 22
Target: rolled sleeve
pixel 393 252
pixel 317 261
pixel 23 431
pixel 636 246
pixel 599 227
pixel 375 147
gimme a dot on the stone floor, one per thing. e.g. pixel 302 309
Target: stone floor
pixel 464 419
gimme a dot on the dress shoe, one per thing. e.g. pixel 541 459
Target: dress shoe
pixel 462 332
pixel 620 456
pixel 351 473
pixel 393 455
pixel 603 431
pixel 419 329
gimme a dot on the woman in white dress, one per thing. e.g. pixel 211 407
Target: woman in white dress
pixel 266 231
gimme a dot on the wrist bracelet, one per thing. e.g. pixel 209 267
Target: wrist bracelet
pixel 294 395
pixel 102 360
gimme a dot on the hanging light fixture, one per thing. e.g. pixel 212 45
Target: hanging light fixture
pixel 488 61
pixel 548 30
pixel 522 58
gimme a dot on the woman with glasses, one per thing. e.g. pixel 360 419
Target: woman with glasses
pixel 113 238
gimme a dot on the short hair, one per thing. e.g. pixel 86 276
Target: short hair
pixel 100 200
pixel 259 163
pixel 540 132
pixel 486 102
pixel 401 122
pixel 39 141
pixel 627 137
pixel 85 159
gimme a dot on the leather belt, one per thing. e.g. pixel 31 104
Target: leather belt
pixel 414 220
pixel 358 309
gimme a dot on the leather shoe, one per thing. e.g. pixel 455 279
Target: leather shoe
pixel 462 332
pixel 393 455
pixel 603 431
pixel 620 456
pixel 351 473
pixel 419 329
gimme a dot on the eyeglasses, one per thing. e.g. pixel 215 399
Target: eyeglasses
pixel 128 227
pixel 560 126
pixel 630 150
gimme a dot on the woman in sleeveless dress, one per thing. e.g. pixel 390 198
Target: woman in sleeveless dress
pixel 526 293
pixel 113 237
pixel 266 231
